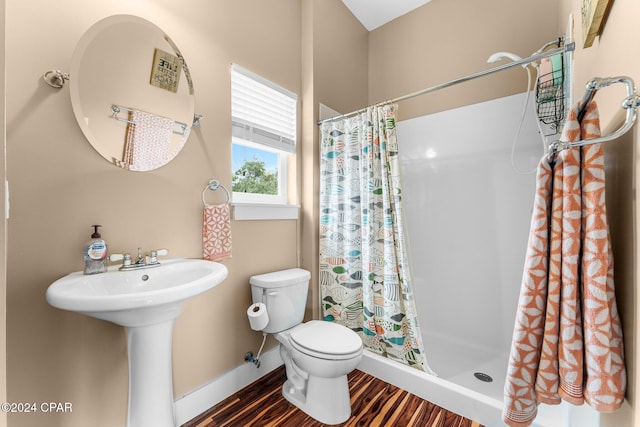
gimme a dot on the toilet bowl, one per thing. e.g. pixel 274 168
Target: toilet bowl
pixel 317 355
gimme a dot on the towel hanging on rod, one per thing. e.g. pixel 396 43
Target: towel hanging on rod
pixel 216 228
pixel 147 142
pixel 115 110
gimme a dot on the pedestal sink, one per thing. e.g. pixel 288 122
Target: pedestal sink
pixel 146 302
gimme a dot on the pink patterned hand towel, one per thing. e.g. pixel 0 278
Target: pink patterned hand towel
pixel 567 341
pixel 147 141
pixel 216 232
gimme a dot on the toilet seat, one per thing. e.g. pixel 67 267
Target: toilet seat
pixel 325 340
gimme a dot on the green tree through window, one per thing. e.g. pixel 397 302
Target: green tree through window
pixel 252 177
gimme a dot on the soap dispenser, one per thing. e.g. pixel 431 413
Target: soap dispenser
pixel 95 253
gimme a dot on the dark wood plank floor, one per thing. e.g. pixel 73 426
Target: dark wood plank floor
pixel 373 403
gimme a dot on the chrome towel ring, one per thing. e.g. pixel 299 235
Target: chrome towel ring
pixel 213 186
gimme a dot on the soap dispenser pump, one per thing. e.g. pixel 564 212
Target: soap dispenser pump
pixel 95 253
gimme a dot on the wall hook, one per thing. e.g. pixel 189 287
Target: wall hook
pixel 55 78
pixel 196 119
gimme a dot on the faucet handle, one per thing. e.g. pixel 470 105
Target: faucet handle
pixel 125 258
pixel 153 255
pixel 116 257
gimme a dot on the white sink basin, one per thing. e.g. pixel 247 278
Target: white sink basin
pixel 146 301
pixel 136 297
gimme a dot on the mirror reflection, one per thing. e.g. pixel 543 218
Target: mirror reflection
pixel 131 93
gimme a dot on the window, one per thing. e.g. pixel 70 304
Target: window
pixel 263 128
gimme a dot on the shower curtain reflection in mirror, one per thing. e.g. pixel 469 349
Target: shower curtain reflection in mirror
pixel 365 277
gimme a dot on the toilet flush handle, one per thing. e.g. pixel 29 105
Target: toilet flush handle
pixel 266 294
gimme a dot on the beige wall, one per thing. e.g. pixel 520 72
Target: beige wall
pixel 448 39
pixel 335 56
pixel 60 186
pixel 613 55
pixel 3 228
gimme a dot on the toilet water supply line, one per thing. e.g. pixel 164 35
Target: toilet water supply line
pixel 248 357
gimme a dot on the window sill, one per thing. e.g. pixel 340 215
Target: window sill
pixel 263 211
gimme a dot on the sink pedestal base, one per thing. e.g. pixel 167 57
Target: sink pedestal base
pixel 150 376
pixel 146 302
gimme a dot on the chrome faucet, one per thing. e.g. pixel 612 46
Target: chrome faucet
pixel 142 261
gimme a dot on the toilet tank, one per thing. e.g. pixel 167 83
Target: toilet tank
pixel 285 295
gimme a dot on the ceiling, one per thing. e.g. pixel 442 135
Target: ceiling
pixel 374 13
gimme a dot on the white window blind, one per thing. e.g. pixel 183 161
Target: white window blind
pixel 261 111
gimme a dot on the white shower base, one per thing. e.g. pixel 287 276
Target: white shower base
pixel 458 362
pixel 457 390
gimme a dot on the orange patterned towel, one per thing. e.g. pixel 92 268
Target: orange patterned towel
pixel 567 341
pixel 216 232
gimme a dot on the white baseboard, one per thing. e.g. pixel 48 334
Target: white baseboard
pixel 199 400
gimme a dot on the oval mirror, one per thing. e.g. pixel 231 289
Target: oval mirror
pixel 131 93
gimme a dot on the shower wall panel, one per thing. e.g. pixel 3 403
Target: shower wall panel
pixel 468 214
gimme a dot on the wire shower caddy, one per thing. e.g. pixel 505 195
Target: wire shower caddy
pixel 553 90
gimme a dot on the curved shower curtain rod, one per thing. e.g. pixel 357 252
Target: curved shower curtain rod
pixel 569 47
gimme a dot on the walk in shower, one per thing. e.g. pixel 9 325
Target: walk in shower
pixel 467 212
pixel 468 202
pixel 467 186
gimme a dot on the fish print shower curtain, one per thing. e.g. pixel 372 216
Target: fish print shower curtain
pixel 364 271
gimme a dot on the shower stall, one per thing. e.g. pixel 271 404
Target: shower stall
pixel 468 213
pixel 468 184
pixel 468 205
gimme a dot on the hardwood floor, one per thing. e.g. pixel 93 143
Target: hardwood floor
pixel 374 403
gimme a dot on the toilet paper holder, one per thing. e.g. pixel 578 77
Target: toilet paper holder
pixel 258 320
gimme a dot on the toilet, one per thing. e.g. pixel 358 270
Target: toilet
pixel 317 355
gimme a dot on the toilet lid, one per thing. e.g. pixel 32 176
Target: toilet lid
pixel 326 338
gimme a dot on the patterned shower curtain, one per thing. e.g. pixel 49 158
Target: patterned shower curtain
pixel 364 271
